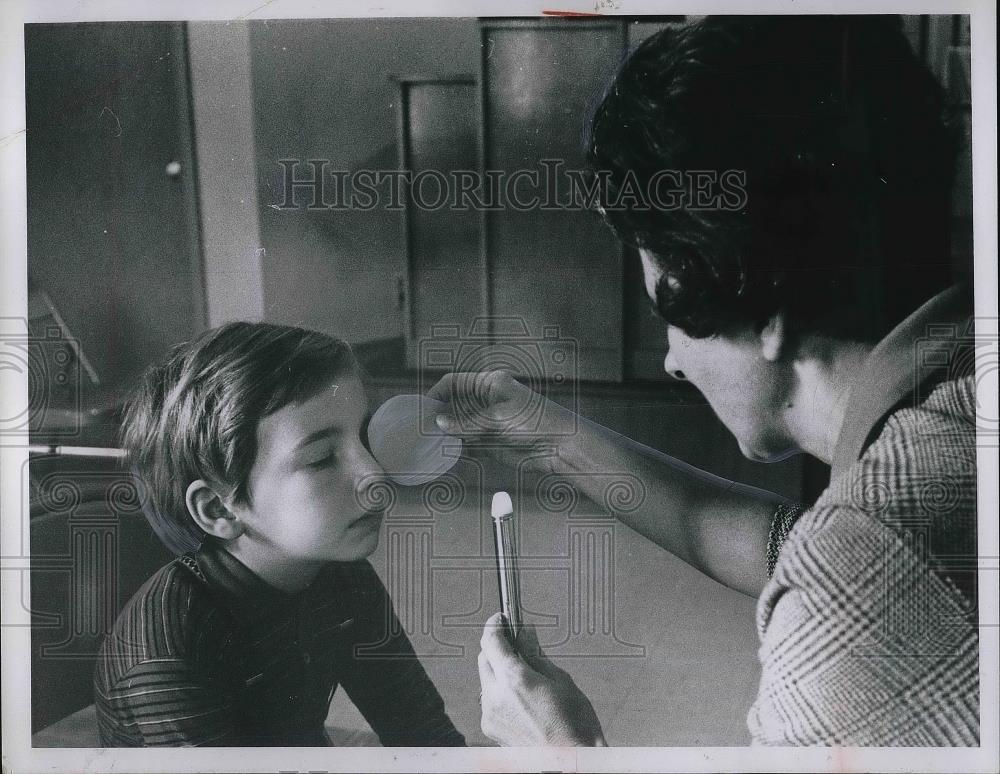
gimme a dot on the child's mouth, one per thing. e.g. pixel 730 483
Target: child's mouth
pixel 370 517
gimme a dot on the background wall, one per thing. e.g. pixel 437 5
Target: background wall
pixel 326 90
pixel 113 234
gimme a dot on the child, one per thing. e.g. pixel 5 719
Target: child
pixel 250 441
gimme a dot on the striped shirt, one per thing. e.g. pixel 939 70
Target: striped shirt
pixel 868 624
pixel 207 653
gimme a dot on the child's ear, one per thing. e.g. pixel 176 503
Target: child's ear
pixel 210 512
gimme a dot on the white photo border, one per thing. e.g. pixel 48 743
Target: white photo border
pixel 19 756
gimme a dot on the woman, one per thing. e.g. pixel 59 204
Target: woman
pixel 806 318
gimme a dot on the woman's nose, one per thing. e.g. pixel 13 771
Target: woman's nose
pixel 670 366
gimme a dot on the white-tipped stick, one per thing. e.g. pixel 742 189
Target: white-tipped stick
pixel 502 506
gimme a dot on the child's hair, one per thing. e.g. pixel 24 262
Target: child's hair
pixel 195 415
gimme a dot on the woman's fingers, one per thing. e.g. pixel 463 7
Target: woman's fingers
pixel 522 707
pixel 531 651
pixel 448 423
pixel 442 390
pixel 527 641
pixel 504 658
pixel 472 400
pixel 497 650
pixel 486 675
pixel 469 385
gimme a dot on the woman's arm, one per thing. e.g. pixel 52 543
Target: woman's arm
pixel 719 526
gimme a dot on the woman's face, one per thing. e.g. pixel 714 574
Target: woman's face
pixel 746 386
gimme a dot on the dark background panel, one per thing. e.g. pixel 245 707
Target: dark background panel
pixel 112 234
pixel 328 89
pixel 559 268
pixel 445 271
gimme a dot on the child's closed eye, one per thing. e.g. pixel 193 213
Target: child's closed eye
pixel 325 461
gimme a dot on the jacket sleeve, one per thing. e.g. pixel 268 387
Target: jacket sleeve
pixel 863 643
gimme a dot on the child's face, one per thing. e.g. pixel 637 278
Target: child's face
pixel 308 481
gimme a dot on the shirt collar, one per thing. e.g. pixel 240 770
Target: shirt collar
pixel 243 591
pixel 915 352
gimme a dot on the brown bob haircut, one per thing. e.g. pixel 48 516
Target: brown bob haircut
pixel 195 415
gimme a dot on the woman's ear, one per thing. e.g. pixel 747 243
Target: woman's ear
pixel 774 337
pixel 210 512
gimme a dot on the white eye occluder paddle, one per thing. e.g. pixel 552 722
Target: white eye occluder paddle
pixel 407 442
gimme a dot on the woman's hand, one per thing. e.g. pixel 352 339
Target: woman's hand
pixel 515 423
pixel 527 701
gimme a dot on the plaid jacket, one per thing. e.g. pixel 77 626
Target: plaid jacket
pixel 868 626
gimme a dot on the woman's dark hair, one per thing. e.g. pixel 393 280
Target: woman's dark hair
pixel 195 414
pixel 848 162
